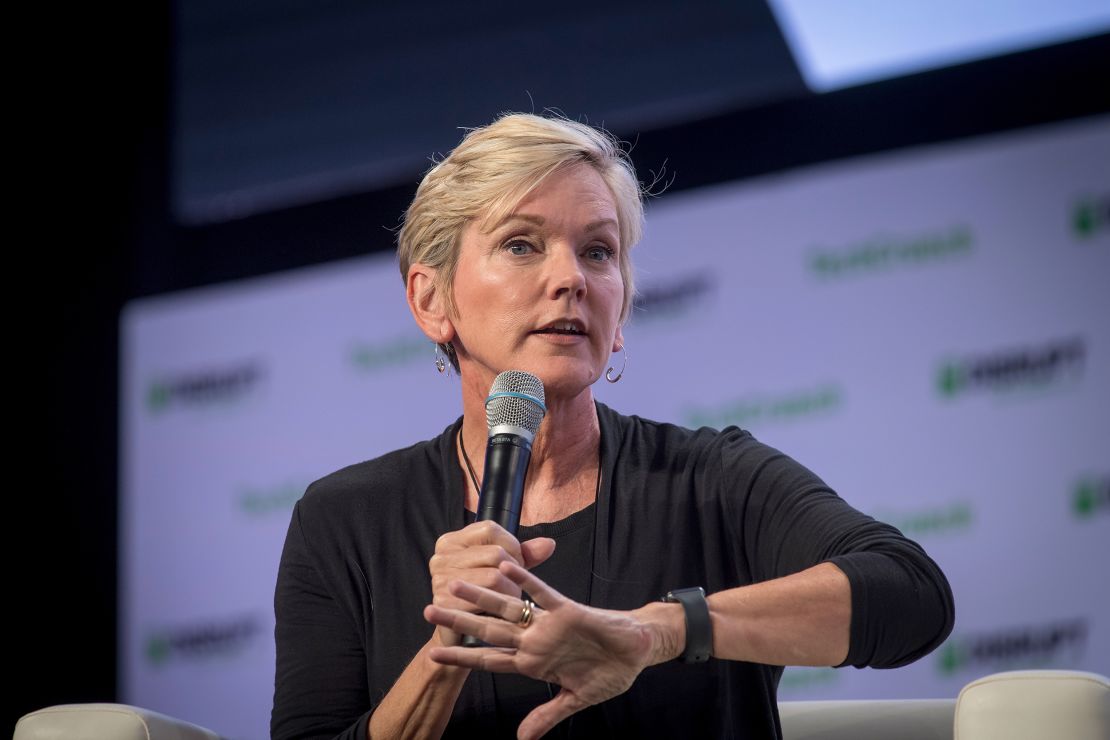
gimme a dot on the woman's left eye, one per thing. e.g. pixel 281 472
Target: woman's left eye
pixel 599 253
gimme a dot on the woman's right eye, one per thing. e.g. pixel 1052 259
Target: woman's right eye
pixel 519 248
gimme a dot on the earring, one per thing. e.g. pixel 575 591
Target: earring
pixel 441 364
pixel 609 372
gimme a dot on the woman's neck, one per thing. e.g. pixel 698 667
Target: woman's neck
pixel 562 474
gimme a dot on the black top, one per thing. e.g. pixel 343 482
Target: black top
pixel 675 508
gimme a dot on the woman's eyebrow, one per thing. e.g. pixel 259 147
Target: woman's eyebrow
pixel 540 221
pixel 537 220
pixel 600 223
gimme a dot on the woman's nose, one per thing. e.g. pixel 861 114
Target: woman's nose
pixel 566 274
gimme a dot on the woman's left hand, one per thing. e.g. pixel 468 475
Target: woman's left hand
pixel 593 654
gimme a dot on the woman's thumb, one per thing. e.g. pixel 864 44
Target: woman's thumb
pixel 536 551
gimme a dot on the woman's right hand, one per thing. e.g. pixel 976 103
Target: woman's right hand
pixel 473 554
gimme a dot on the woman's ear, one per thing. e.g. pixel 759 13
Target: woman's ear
pixel 618 341
pixel 427 304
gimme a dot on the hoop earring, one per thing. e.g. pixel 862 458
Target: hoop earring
pixel 609 372
pixel 441 364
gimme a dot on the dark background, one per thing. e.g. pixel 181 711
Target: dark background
pixel 100 229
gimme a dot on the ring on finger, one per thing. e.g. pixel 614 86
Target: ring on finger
pixel 527 611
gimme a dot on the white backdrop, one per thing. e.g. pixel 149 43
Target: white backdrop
pixel 929 330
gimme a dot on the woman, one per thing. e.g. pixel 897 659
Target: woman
pixel 515 254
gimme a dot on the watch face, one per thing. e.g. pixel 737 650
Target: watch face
pixel 674 594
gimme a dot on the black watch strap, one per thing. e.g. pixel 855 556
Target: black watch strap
pixel 699 630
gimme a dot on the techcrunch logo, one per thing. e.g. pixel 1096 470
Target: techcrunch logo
pixel 755 409
pixel 1090 217
pixel 1013 369
pixel 201 642
pixel 955 517
pixel 374 357
pixel 261 501
pixel 203 389
pixel 1091 497
pixel 671 298
pixel 886 251
pixel 1054 643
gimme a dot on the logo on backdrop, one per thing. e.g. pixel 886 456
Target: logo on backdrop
pixel 1023 368
pixel 277 499
pixel 891 251
pixel 671 298
pixel 207 641
pixel 767 409
pixel 208 388
pixel 373 357
pixel 1091 497
pixel 1091 217
pixel 1036 646
pixel 956 517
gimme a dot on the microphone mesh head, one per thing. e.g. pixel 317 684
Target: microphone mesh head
pixel 526 412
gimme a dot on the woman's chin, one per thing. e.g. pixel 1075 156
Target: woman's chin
pixel 562 382
pixel 563 378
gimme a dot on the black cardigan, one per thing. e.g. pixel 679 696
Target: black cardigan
pixel 675 508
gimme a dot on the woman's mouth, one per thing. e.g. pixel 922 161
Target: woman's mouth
pixel 563 328
pixel 568 328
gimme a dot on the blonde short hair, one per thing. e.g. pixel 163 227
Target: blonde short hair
pixel 492 170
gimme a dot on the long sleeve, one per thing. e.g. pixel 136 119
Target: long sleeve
pixel 352 586
pixel 321 662
pixel 902 606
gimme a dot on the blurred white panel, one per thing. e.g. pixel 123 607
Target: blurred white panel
pixel 839 43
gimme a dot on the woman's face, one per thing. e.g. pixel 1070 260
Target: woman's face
pixel 542 291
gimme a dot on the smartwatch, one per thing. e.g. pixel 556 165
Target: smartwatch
pixel 699 630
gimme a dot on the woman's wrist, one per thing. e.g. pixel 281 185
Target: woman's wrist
pixel 438 671
pixel 419 704
pixel 666 624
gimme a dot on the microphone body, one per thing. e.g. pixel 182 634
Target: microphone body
pixel 507 457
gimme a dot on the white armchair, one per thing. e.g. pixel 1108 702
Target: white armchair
pixel 1020 705
pixel 105 722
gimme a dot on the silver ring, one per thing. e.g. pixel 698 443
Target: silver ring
pixel 527 611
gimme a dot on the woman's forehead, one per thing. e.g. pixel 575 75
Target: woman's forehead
pixel 580 183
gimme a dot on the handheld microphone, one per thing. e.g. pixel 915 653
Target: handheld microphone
pixel 514 410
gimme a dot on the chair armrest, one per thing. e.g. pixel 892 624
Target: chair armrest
pixel 105 722
pixel 1021 705
pixel 906 719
